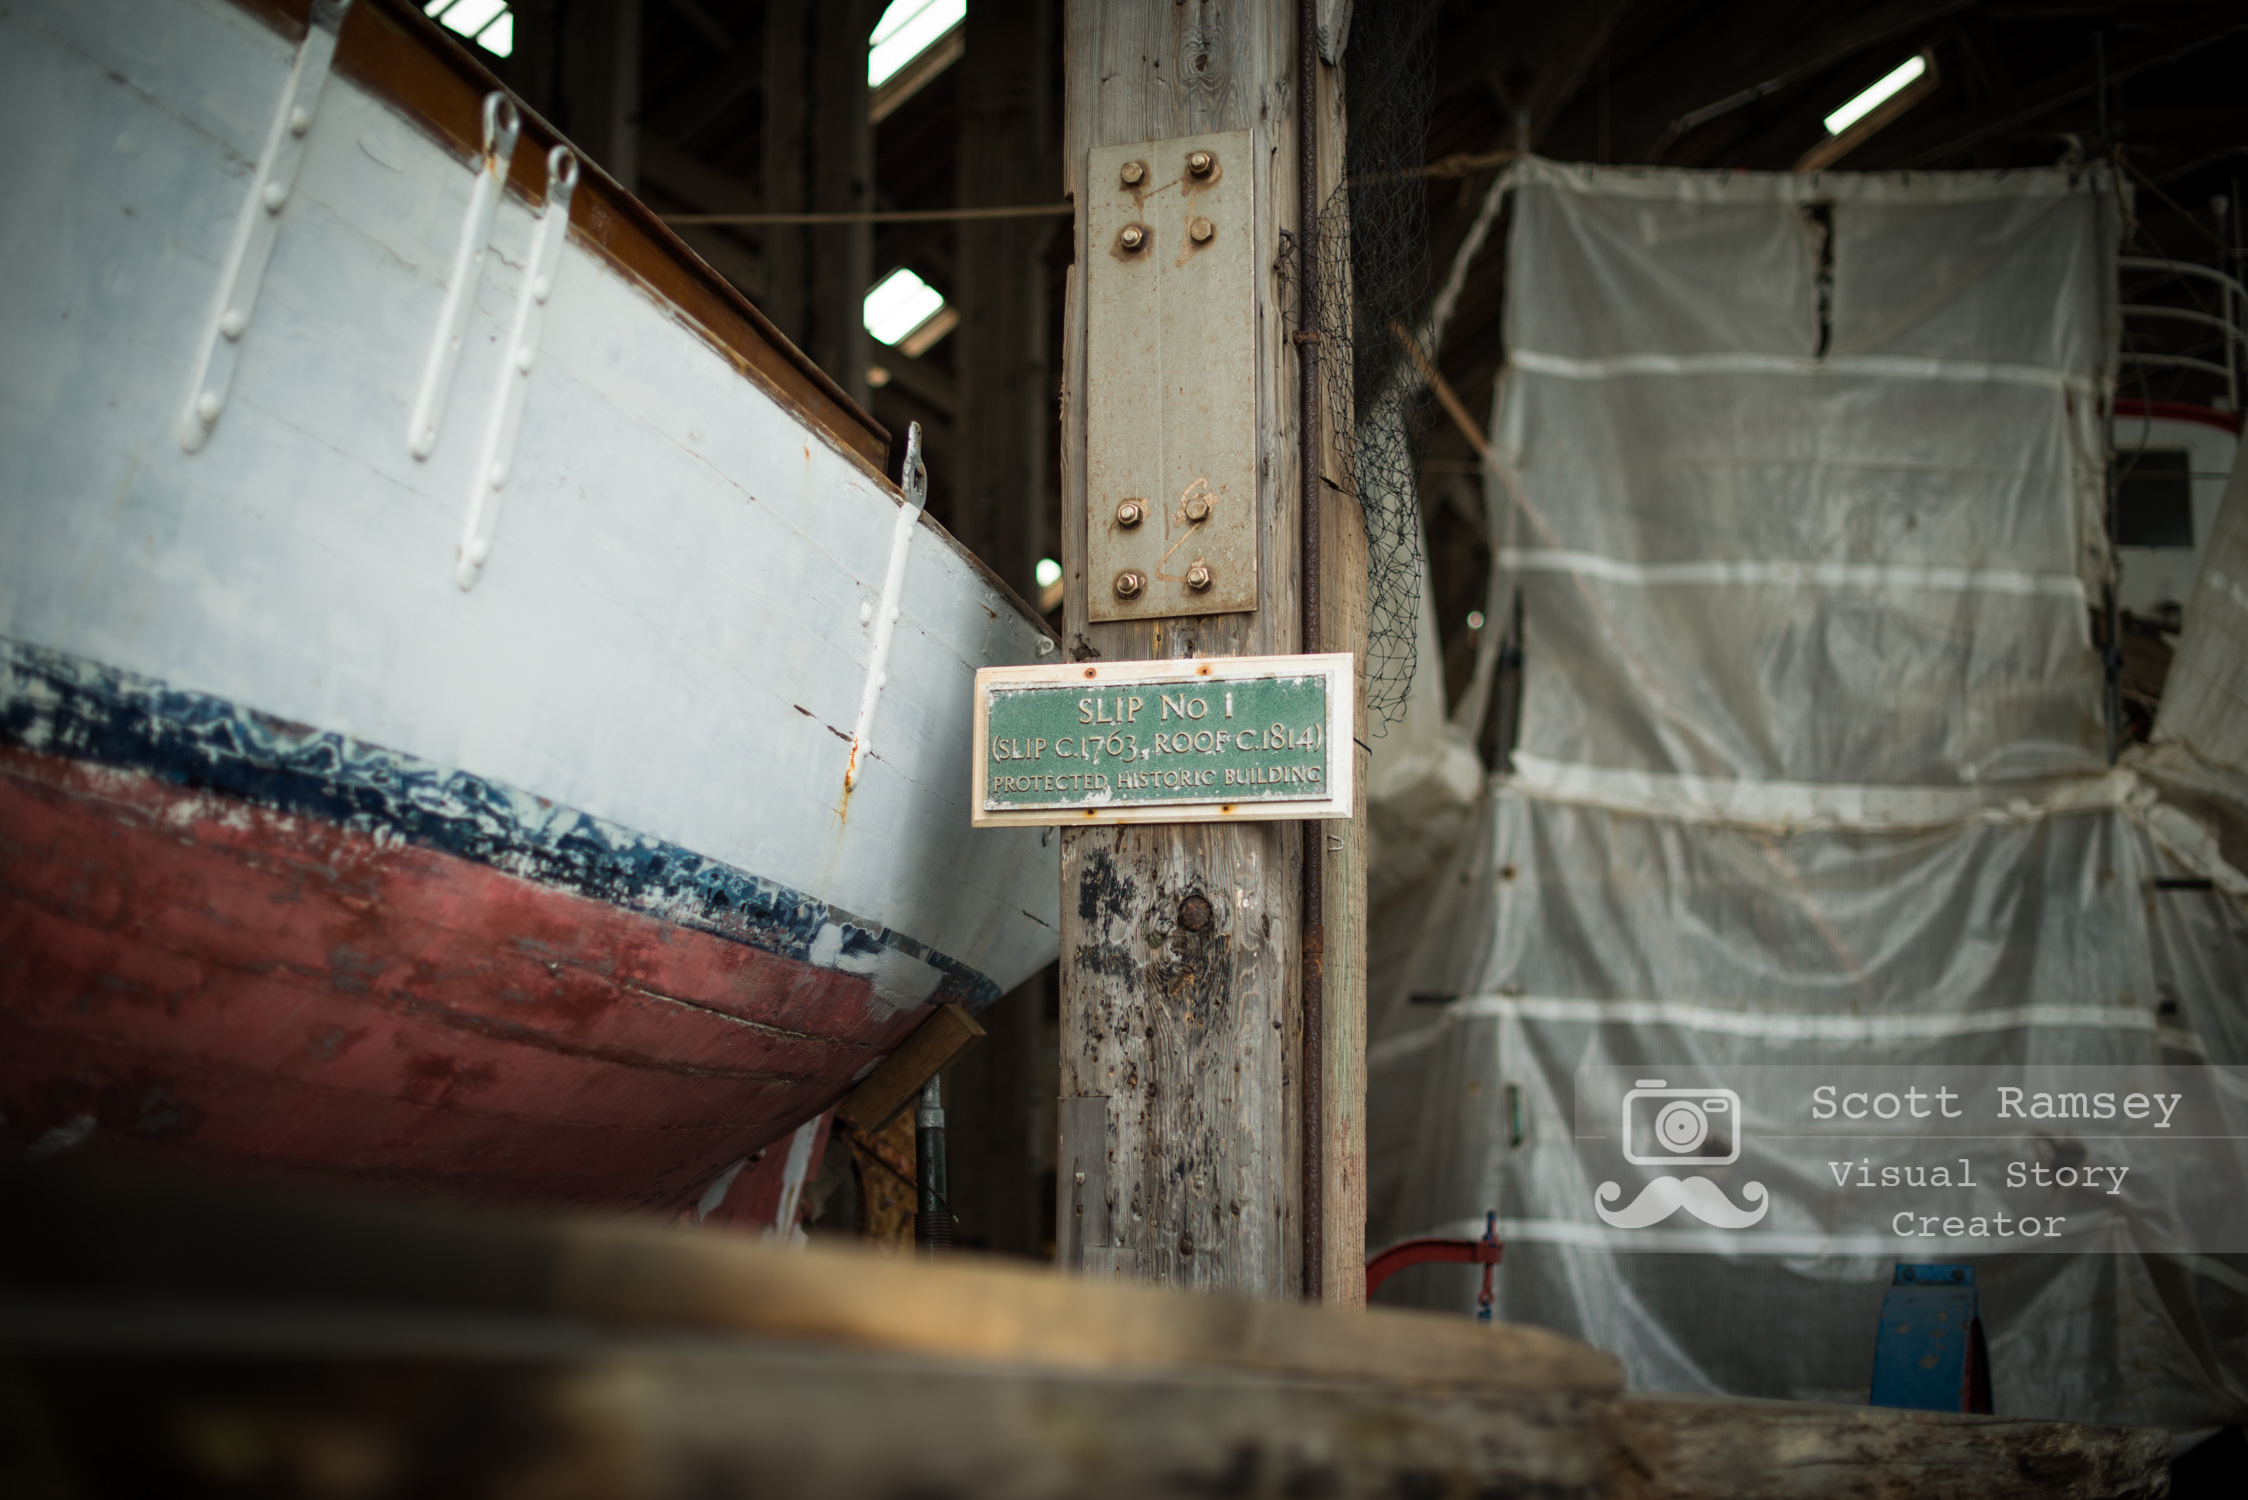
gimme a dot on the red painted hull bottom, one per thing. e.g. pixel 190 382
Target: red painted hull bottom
pixel 187 972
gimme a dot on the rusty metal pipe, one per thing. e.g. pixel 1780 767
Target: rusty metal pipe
pixel 1308 467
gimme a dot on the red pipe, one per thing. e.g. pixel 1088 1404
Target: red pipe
pixel 1421 1252
pixel 2178 411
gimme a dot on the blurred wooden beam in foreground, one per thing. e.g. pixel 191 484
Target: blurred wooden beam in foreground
pixel 161 1336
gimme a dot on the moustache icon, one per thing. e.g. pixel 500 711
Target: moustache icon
pixel 1699 1196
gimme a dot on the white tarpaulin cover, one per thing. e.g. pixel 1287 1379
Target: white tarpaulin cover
pixel 1801 482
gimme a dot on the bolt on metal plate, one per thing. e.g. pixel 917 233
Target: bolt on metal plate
pixel 1171 408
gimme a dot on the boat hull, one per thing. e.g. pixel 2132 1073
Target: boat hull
pixel 341 977
pixel 578 881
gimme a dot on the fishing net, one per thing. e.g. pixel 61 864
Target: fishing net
pixel 1372 260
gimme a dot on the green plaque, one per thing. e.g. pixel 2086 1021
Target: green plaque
pixel 1231 737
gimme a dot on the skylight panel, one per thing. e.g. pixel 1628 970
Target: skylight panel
pixel 1906 73
pixel 907 29
pixel 901 303
pixel 487 23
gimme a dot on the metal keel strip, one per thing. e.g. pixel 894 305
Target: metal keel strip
pixel 259 223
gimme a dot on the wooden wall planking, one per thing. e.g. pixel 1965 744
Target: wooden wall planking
pixel 1001 506
pixel 819 157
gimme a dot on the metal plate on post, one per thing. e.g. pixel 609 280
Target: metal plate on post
pixel 1223 739
pixel 1171 390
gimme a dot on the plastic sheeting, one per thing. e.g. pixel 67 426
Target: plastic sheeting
pixel 1800 480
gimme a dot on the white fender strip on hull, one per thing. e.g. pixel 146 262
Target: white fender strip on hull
pixel 259 223
pixel 488 483
pixel 503 125
pixel 886 613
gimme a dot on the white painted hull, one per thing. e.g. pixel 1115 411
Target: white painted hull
pixel 672 631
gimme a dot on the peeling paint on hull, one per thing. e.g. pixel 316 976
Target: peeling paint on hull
pixel 310 857
pixel 260 980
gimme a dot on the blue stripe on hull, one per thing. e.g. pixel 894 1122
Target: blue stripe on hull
pixel 57 704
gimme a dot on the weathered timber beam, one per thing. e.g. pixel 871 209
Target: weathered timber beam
pixel 1007 155
pixel 564 1412
pixel 691 110
pixel 744 267
pixel 296 1332
pixel 85 1232
pixel 1959 135
pixel 1800 57
pixel 1568 43
pixel 557 1417
pixel 1692 1448
pixel 935 1043
pixel 1188 1037
pixel 935 389
pixel 670 169
pixel 702 21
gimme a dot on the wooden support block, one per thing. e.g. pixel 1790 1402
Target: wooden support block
pixel 84 1230
pixel 948 1032
pixel 1699 1448
pixel 163 1335
pixel 522 1412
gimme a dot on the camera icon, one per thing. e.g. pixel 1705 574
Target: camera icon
pixel 1664 1126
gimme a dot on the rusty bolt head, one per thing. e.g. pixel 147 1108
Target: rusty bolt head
pixel 1198 577
pixel 1130 512
pixel 1200 163
pixel 1202 229
pixel 1195 913
pixel 1197 508
pixel 1133 237
pixel 1130 583
pixel 1133 172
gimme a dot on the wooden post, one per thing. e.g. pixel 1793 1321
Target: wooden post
pixel 1001 507
pixel 842 266
pixel 819 157
pixel 622 107
pixel 600 81
pixel 1181 1026
pixel 786 130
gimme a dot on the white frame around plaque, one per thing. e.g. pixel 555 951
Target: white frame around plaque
pixel 1338 667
